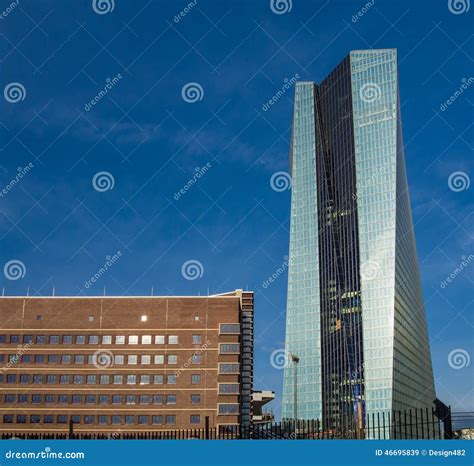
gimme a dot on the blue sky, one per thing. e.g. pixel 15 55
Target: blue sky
pixel 153 142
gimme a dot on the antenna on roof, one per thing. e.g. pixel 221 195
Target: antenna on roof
pixel 207 291
pixel 54 290
pixel 3 291
pixel 152 291
pixel 104 290
pixel 28 291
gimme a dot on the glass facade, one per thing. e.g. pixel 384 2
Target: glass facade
pixel 355 314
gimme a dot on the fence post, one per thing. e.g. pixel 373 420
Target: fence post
pixel 206 426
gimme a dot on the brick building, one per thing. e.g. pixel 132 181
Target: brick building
pixel 125 364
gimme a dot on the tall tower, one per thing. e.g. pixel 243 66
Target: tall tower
pixel 355 313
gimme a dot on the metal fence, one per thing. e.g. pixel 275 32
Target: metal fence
pixel 409 424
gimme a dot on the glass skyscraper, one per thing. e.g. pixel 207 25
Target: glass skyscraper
pixel 355 313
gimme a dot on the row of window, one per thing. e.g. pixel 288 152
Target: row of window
pixel 224 329
pixel 103 379
pixel 116 419
pixel 95 359
pixel 102 399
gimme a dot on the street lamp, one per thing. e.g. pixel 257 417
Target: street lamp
pixel 295 359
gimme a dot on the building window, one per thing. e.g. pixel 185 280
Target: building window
pixel 194 419
pixel 35 419
pixel 77 379
pixel 63 399
pixel 106 339
pixel 8 418
pixel 104 379
pixel 40 339
pixel 11 378
pixel 76 419
pixel 171 419
pixel 10 398
pixel 132 359
pixel 172 359
pixel 67 339
pixel 93 339
pixel 146 339
pixel 143 419
pixel 37 379
pixel 53 358
pixel 144 318
pixel 159 359
pixel 39 359
pixel 90 318
pixel 27 339
pixel 103 419
pixel 21 419
pixel 119 359
pixel 51 379
pixel 22 398
pixel 144 399
pixel 2 339
pixel 157 420
pixel 91 379
pixel 228 408
pixel 24 378
pixel 225 388
pixel 130 399
pixel 157 399
pixel 79 359
pixel 36 398
pixel 158 379
pixel 229 329
pixel 48 419
pixel 80 339
pixel 120 340
pixel 118 379
pixel 14 339
pixel 159 339
pixel 196 318
pixel 146 359
pixel 66 359
pixel 196 358
pixel 117 399
pixel 170 399
pixel 90 399
pixel 39 317
pixel 195 398
pixel 226 368
pixel 77 399
pixel 197 339
pixel 89 419
pixel 133 340
pixel 195 379
pixel 144 379
pixel 129 419
pixel 131 379
pixel 54 339
pixel 173 339
pixel 104 399
pixel 171 379
pixel 116 419
pixel 226 348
